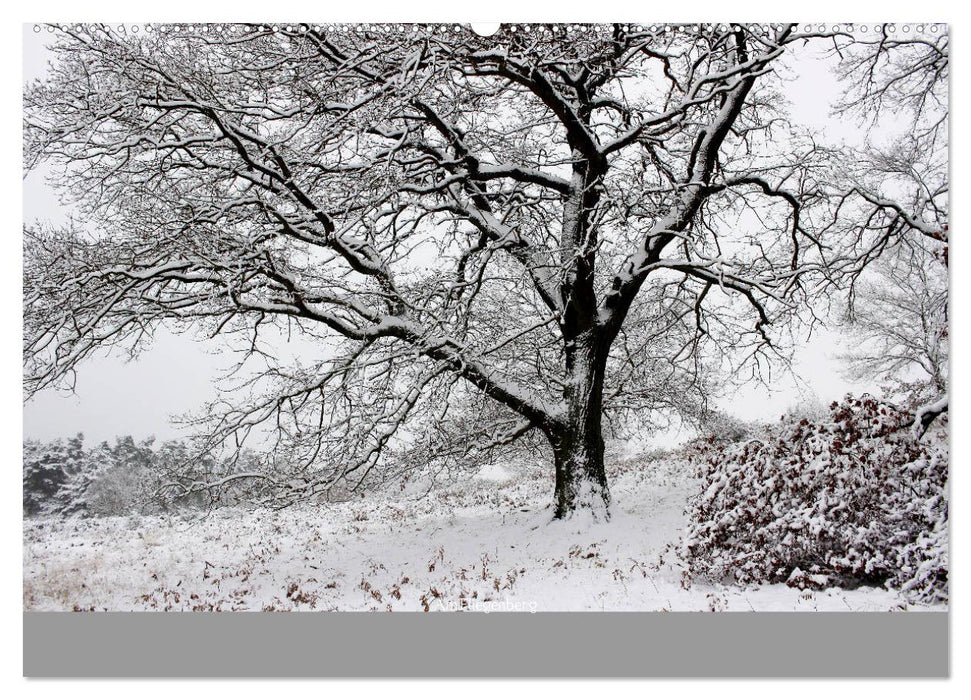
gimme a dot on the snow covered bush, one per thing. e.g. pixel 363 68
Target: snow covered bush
pixel 857 499
pixel 721 426
pixel 122 479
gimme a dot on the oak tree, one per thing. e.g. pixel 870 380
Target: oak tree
pixel 519 237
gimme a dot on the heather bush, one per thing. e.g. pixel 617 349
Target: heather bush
pixel 855 499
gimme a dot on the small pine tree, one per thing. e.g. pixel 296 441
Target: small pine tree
pixel 44 476
pixel 79 489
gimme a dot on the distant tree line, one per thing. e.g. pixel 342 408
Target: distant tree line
pixel 62 477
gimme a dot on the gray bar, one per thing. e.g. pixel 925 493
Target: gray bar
pixel 845 645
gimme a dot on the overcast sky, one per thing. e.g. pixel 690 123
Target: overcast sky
pixel 177 374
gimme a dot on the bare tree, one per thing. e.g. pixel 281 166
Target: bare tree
pixel 899 321
pixel 514 236
pixel 902 81
pixel 899 314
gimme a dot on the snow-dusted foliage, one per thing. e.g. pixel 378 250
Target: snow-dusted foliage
pixel 857 499
pixel 77 492
pixel 48 468
pixel 121 479
pixel 63 478
pixel 718 425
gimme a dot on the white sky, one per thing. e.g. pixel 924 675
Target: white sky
pixel 176 375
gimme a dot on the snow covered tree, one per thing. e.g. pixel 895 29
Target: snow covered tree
pixel 48 472
pixel 522 234
pixel 126 480
pixel 898 313
pixel 900 321
pixel 185 476
pixel 43 476
pixel 79 489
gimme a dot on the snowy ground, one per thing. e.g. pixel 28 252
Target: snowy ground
pixel 485 545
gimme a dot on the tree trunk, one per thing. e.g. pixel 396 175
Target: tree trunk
pixel 578 446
